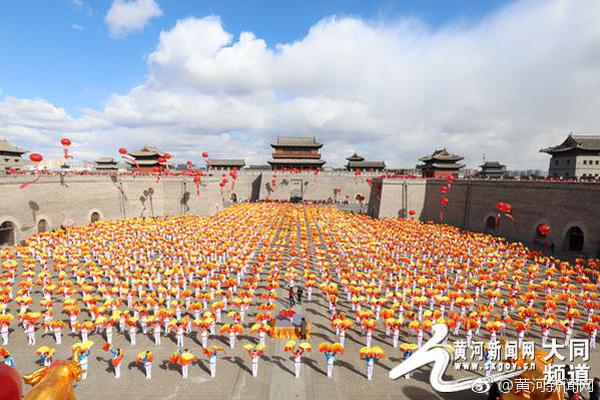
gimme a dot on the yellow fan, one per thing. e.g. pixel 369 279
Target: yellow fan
pixel 188 357
pixel 305 346
pixel 408 347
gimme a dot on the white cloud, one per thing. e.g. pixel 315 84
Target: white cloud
pixel 83 7
pixel 77 27
pixel 514 82
pixel 127 16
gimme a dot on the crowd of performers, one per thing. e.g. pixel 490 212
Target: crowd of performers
pixel 385 282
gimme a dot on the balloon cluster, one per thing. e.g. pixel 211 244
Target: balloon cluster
pixel 504 209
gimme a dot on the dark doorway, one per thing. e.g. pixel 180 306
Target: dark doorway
pixel 490 224
pixel 574 239
pixel 95 217
pixel 233 197
pixel 7 233
pixel 42 225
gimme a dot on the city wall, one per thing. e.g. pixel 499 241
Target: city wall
pixel 471 204
pixel 54 199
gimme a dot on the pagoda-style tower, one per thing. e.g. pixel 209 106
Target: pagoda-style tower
pixel 226 164
pixel 492 169
pixel 440 164
pixel 577 157
pixel 10 156
pixel 358 162
pixel 106 164
pixel 296 152
pixel 147 158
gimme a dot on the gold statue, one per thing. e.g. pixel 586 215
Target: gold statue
pixel 56 381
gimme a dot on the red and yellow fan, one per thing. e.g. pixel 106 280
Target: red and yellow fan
pixel 211 350
pixel 371 352
pixel 408 347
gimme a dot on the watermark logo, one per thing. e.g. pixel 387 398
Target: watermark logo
pixel 497 370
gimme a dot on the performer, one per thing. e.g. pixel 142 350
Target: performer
pixel 369 354
pixel 30 330
pixel 83 361
pixel 297 353
pixel 109 332
pixel 116 361
pixel 156 332
pixel 254 353
pixel 8 360
pixel 4 332
pixel 146 359
pixel 184 361
pixel 212 361
pixel 370 366
pixel 132 333
pixel 330 357
pixel 407 350
pixel 179 334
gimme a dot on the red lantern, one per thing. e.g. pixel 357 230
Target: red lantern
pixel 36 157
pixel 444 200
pixel 411 212
pixel 197 179
pixel 222 184
pixel 122 150
pixel 188 162
pixel 544 229
pixel 205 155
pixel 65 141
pixel 161 160
pixel 155 169
pixel 10 380
pixel 443 189
pixel 166 156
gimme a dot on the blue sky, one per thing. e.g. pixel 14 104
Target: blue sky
pixel 391 80
pixel 60 50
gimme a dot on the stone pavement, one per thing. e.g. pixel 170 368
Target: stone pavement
pixel 234 381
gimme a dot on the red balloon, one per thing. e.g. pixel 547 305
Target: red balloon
pixel 122 150
pixel 10 382
pixel 36 157
pixel 65 141
pixel 205 155
pixel 544 229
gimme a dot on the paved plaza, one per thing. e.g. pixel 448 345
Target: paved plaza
pixel 287 241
